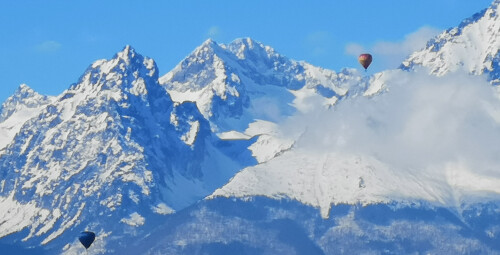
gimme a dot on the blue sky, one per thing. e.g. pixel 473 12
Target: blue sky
pixel 49 44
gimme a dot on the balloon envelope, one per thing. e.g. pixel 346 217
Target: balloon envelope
pixel 86 238
pixel 365 60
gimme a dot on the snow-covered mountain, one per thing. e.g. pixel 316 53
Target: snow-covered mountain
pixel 115 151
pixel 329 172
pixel 245 80
pixel 473 46
pixel 109 154
pixel 292 158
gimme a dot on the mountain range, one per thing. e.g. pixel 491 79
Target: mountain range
pixel 240 149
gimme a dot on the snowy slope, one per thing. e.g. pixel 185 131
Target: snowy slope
pixel 111 152
pixel 473 46
pixel 323 180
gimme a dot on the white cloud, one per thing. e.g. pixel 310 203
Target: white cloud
pixel 391 54
pixel 48 46
pixel 423 122
pixel 354 49
pixel 395 52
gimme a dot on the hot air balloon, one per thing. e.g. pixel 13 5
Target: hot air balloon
pixel 86 238
pixel 365 60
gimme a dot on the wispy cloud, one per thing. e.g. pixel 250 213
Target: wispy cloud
pixel 391 54
pixel 48 46
pixel 213 32
pixel 354 49
pixel 395 52
pixel 318 42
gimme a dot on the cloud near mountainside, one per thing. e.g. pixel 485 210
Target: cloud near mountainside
pixel 423 122
pixel 391 54
pixel 214 32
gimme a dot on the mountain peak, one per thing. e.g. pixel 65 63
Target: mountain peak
pixel 23 97
pixel 245 47
pixel 473 46
pixel 24 91
pixel 128 53
pixel 23 86
pixel 488 13
pixel 124 63
pixel 206 49
pixel 245 41
pixel 208 42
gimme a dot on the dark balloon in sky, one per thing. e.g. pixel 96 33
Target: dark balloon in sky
pixel 86 238
pixel 365 60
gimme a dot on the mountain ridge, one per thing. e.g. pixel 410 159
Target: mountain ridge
pixel 125 152
pixel 112 143
pixel 244 70
pixel 472 46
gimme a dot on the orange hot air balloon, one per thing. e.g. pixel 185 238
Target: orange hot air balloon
pixel 365 60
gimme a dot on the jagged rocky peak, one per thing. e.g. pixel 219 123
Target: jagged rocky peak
pixel 208 46
pixel 214 73
pixel 199 68
pixel 264 65
pixel 261 56
pixel 224 79
pixel 209 52
pixel 472 46
pixel 27 96
pixel 243 56
pixel 203 55
pixel 127 60
pixel 247 47
pixel 128 71
pixel 24 89
pixel 23 97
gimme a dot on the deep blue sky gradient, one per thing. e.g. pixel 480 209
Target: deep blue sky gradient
pixel 49 44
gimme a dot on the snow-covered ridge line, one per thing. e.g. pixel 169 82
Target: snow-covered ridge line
pixel 473 46
pixel 331 179
pixel 125 146
pixel 106 146
pixel 233 84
